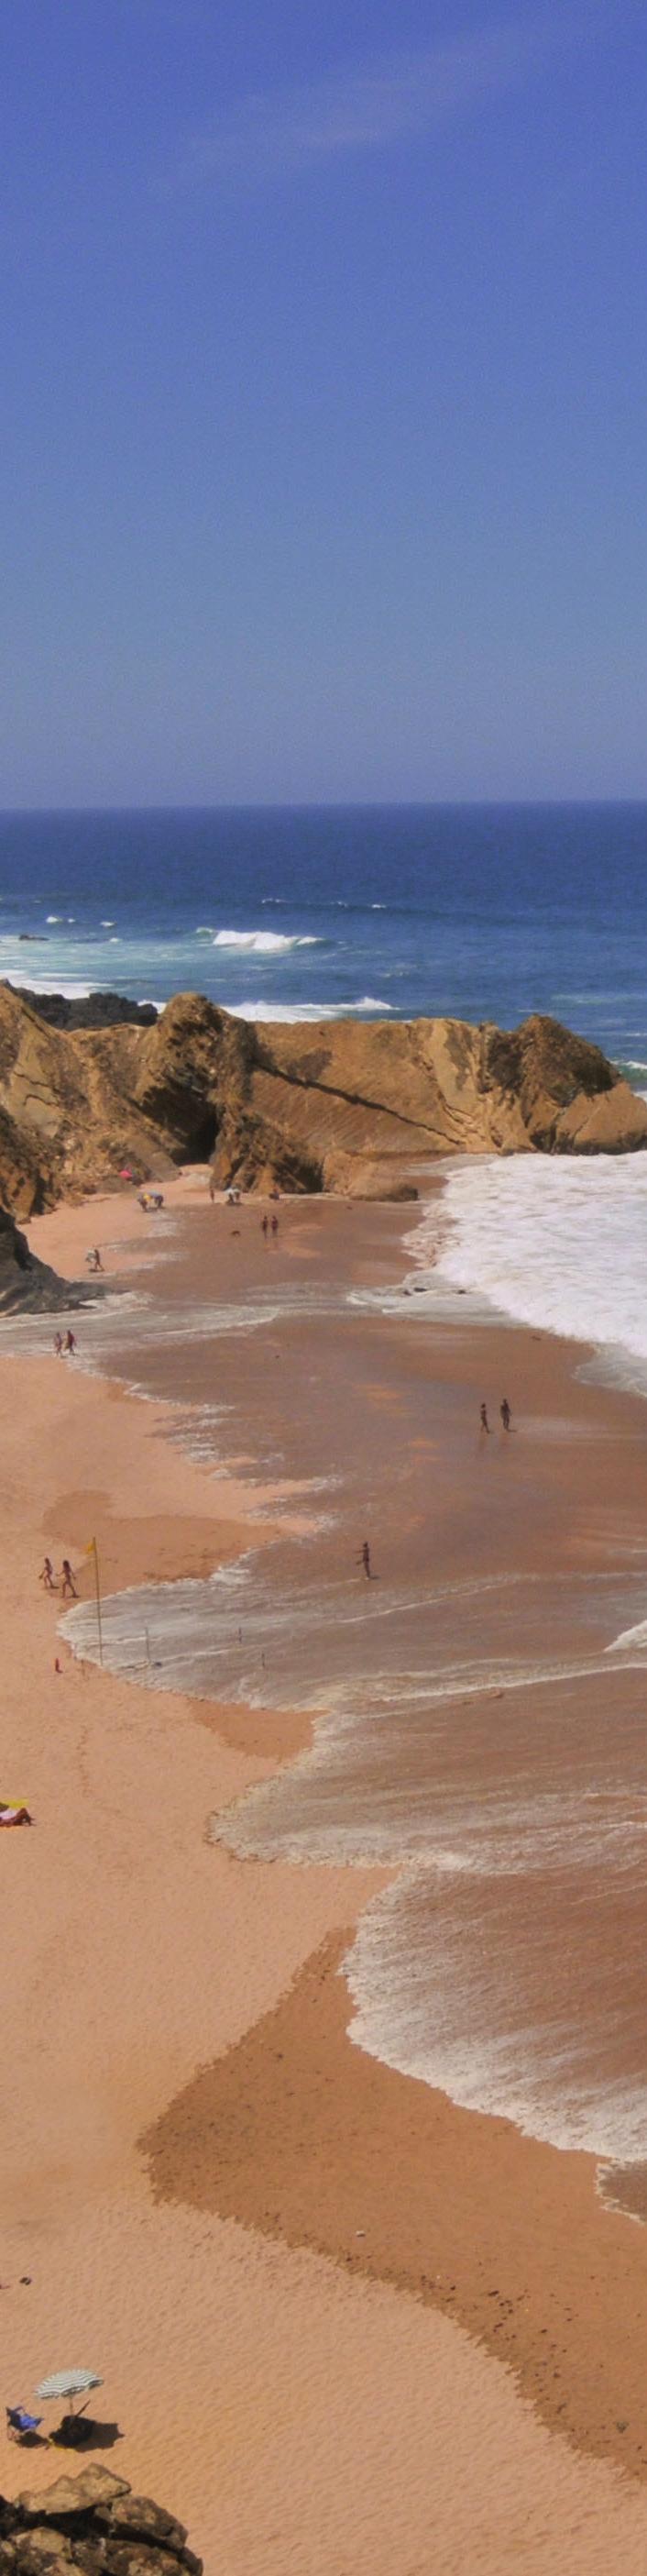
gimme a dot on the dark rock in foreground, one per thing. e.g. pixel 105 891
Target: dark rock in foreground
pixel 30 1285
pixel 95 2523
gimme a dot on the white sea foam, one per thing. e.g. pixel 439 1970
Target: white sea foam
pixel 432 2002
pixel 54 918
pixel 107 925
pixel 71 990
pixel 555 1242
pixel 294 1011
pixel 263 943
pixel 288 1011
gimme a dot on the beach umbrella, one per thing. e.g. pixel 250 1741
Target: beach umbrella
pixel 69 2383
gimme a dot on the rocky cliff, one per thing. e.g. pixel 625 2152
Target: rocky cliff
pixel 344 1105
pixel 93 2522
pixel 30 1284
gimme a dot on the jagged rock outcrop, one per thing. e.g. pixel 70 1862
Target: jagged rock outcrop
pixel 89 1010
pixel 93 2522
pixel 354 1106
pixel 28 1283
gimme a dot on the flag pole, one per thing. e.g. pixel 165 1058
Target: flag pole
pixel 97 1586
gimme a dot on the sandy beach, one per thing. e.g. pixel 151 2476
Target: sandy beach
pixel 341 2322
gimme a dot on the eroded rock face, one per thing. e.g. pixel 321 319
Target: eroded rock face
pixel 29 1284
pixel 94 2523
pixel 349 1106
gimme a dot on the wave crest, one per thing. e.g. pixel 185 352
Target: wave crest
pixel 263 943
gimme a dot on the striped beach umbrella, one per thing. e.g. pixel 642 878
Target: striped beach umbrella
pixel 69 2383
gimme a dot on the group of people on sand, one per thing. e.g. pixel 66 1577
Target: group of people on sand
pixel 66 1585
pixel 65 1345
pixel 505 1412
pixel 269 1225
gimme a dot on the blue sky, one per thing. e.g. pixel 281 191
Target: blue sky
pixel 324 400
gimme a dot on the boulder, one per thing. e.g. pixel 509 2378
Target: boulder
pixel 138 2516
pixel 94 2486
pixel 94 2523
pixel 133 2558
pixel 32 2552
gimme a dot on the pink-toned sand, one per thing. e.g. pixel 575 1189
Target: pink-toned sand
pixel 295 2417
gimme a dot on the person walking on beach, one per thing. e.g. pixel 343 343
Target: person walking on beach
pixel 506 1416
pixel 67 1581
pixel 93 1259
pixel 264 1225
pixel 484 1420
pixel 275 1225
pixel 70 1344
pixel 47 1575
pixel 58 1345
pixel 364 1558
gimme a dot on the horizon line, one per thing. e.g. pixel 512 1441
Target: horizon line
pixel 333 805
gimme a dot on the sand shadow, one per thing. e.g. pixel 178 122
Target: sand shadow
pixel 31 2441
pixel 85 2433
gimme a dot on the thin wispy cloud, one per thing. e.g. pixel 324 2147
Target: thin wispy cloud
pixel 366 108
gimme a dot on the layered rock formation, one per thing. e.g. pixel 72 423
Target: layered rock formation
pixel 93 2522
pixel 345 1105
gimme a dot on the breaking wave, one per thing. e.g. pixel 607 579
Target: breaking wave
pixel 306 1010
pixel 263 943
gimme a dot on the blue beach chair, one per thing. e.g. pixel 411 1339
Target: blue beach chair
pixel 20 2424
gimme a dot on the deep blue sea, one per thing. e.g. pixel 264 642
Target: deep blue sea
pixel 485 911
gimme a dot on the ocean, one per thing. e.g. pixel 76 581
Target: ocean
pixel 488 912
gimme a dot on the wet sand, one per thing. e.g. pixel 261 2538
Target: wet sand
pixel 295 2409
pixel 300 2135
